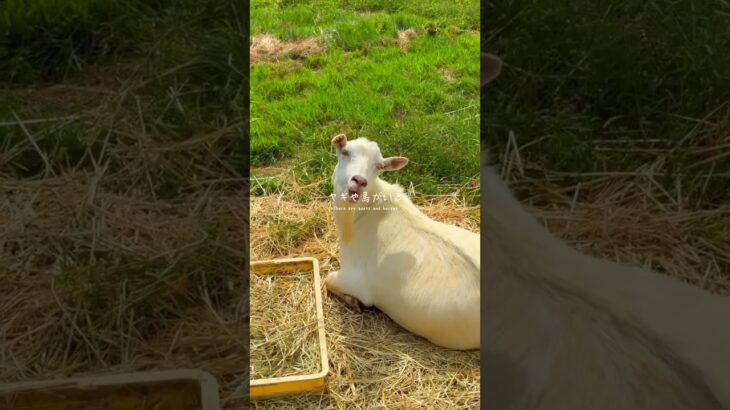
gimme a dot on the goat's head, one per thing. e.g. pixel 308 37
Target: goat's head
pixel 490 68
pixel 359 162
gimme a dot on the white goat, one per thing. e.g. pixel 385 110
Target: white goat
pixel 568 331
pixel 422 273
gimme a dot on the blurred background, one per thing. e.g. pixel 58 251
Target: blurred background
pixel 612 119
pixel 122 159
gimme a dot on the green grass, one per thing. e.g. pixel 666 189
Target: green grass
pixel 290 233
pixel 593 82
pixel 422 104
pixel 171 70
pixel 49 39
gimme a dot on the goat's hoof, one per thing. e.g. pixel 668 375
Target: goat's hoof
pixel 352 302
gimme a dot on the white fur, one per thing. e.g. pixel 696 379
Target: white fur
pixel 422 273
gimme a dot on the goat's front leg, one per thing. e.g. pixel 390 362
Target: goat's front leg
pixel 337 286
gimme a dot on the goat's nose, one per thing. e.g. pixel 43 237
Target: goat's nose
pixel 362 181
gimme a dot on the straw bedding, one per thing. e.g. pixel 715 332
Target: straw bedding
pixel 377 364
pixel 283 327
pixel 266 47
pixel 374 363
pixel 93 281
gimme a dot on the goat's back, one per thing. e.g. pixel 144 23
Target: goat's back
pixel 421 273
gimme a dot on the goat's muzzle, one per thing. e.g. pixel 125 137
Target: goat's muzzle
pixel 355 188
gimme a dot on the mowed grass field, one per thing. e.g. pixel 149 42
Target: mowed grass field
pixel 404 75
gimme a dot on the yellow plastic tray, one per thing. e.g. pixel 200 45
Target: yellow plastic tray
pixel 280 386
pixel 179 389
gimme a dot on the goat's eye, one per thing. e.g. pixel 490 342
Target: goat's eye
pixel 345 152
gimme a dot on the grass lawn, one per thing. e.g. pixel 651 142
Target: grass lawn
pixel 419 99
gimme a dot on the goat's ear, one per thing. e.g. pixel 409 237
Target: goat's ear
pixel 339 141
pixel 491 66
pixel 393 164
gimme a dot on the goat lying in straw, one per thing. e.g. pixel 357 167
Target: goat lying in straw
pixel 568 331
pixel 422 273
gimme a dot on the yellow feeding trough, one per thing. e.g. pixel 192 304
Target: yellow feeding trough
pixel 288 349
pixel 180 389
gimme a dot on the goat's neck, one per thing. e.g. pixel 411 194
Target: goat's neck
pixel 347 215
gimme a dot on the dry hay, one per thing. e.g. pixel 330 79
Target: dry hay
pixel 97 275
pixel 631 220
pixel 377 364
pixel 630 217
pixel 284 339
pixel 102 269
pixel 99 86
pixel 405 37
pixel 94 279
pixel 374 363
pixel 266 47
pixel 450 76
